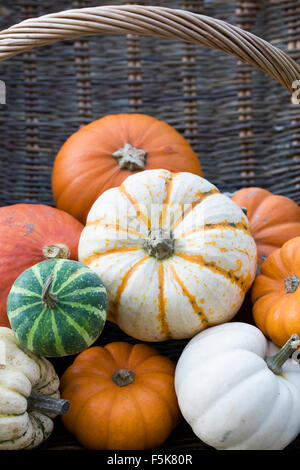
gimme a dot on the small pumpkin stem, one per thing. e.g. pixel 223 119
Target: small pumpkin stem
pixel 46 404
pixel 130 158
pixel 276 362
pixel 159 244
pixel 291 284
pixel 58 250
pixel 49 299
pixel 123 377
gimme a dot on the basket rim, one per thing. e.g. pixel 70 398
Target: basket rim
pixel 158 21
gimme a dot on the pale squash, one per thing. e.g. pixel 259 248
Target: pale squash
pixel 175 255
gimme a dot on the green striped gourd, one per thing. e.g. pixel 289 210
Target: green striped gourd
pixel 57 307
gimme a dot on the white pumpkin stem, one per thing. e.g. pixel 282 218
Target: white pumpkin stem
pixel 131 158
pixel 276 362
pixel 291 284
pixel 49 299
pixel 159 244
pixel 46 404
pixel 58 250
pixel 123 377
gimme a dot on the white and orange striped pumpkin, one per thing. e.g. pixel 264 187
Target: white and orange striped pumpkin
pixel 175 254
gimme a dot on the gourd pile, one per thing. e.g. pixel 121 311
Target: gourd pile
pixel 140 238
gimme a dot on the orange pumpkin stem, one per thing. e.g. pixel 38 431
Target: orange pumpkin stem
pixel 291 284
pixel 58 250
pixel 130 158
pixel 123 377
pixel 49 299
pixel 159 244
pixel 46 404
pixel 276 362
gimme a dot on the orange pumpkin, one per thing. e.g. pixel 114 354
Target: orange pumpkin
pixel 273 219
pixel 26 232
pixel 102 154
pixel 121 397
pixel 276 293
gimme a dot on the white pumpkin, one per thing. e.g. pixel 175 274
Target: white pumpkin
pixel 176 256
pixel 229 395
pixel 24 380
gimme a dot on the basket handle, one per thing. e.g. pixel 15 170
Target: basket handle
pixel 152 21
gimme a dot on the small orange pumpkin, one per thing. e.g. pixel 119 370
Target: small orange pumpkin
pixel 102 154
pixel 273 219
pixel 121 397
pixel 276 293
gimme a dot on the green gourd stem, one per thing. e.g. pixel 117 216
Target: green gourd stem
pixel 123 377
pixel 159 244
pixel 49 299
pixel 276 362
pixel 46 404
pixel 131 158
pixel 58 250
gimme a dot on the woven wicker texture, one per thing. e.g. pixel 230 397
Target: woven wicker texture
pixel 240 121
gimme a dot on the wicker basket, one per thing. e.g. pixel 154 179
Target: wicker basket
pixel 235 152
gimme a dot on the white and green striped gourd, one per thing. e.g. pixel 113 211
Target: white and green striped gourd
pixel 57 307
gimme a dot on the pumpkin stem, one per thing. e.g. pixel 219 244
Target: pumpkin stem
pixel 159 244
pixel 58 250
pixel 123 377
pixel 276 362
pixel 291 284
pixel 49 299
pixel 130 158
pixel 46 404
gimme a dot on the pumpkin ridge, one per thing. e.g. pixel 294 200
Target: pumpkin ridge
pixel 213 267
pixel 21 290
pixel 57 267
pixel 89 308
pixel 203 196
pixel 71 279
pixel 59 345
pixel 81 331
pixel 90 259
pixel 122 286
pixel 168 188
pixel 238 383
pixel 135 205
pixel 37 274
pixel 135 400
pixel 116 227
pixel 33 330
pixel 203 318
pixel 22 309
pixel 161 398
pixel 221 225
pixel 84 290
pixel 161 317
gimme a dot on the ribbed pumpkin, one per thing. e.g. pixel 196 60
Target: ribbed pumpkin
pixel 105 152
pixel 29 396
pixel 176 256
pixel 276 293
pixel 57 308
pixel 121 397
pixel 26 232
pixel 273 219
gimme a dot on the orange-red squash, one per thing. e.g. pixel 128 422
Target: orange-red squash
pixel 25 229
pixel 276 293
pixel 273 219
pixel 121 397
pixel 102 154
